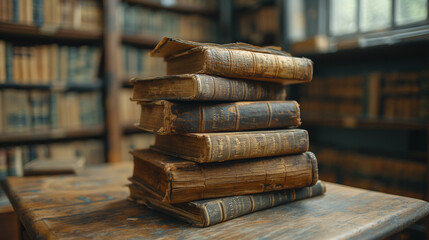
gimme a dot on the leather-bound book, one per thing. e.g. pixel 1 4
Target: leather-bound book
pixel 208 212
pixel 218 147
pixel 233 60
pixel 165 117
pixel 201 87
pixel 175 180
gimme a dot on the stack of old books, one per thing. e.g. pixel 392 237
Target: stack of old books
pixel 226 140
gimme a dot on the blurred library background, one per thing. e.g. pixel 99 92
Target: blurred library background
pixel 65 67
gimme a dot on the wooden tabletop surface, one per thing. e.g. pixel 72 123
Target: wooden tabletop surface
pixel 93 205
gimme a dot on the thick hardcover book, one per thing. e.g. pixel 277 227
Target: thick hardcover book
pixel 201 87
pixel 208 212
pixel 175 180
pixel 165 117
pixel 217 147
pixel 233 60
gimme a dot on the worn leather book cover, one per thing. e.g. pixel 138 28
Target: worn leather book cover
pixel 165 117
pixel 218 147
pixel 208 212
pixel 233 60
pixel 175 180
pixel 201 87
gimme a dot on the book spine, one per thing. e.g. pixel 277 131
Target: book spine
pixel 238 116
pixel 255 65
pixel 15 8
pixel 232 207
pixel 223 89
pixel 248 176
pixel 225 147
pixel 9 62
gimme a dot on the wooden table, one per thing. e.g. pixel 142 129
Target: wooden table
pixel 94 205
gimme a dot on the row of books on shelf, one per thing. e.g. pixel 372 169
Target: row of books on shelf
pixel 135 141
pixel 22 111
pixel 129 113
pixel 12 159
pixel 391 175
pixel 48 64
pixel 138 20
pixel 134 61
pixel 388 95
pixel 254 26
pixel 53 14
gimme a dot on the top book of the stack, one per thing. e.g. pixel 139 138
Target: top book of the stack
pixel 238 60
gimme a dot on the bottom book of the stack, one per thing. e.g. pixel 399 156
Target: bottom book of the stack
pixel 208 212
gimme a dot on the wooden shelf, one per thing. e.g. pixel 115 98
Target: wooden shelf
pixel 354 122
pixel 16 29
pixel 54 87
pixel 177 8
pixel 142 41
pixel 407 48
pixel 50 135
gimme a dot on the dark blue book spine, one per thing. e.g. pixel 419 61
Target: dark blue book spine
pixel 9 62
pixel 38 12
pixel 15 9
pixel 3 164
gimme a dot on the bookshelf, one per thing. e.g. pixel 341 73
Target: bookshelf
pixel 347 140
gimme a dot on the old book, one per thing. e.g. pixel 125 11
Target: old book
pixel 233 60
pixel 165 117
pixel 201 87
pixel 217 147
pixel 174 180
pixel 208 212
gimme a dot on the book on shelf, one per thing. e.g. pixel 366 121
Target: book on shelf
pixel 390 95
pixel 174 180
pixel 218 147
pixel 54 14
pixel 129 114
pixel 208 212
pixel 405 176
pixel 48 64
pixel 24 110
pixel 165 117
pixel 131 142
pixel 201 87
pixel 134 61
pixel 259 26
pixel 143 21
pixel 233 60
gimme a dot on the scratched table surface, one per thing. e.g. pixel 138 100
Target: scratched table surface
pixel 94 205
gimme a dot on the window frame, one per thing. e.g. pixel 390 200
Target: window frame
pixel 393 27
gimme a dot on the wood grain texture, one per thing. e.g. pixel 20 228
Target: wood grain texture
pixel 175 180
pixel 165 117
pixel 94 206
pixel 201 87
pixel 218 147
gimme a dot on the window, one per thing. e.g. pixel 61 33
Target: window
pixel 410 11
pixel 348 17
pixel 375 14
pixel 343 16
